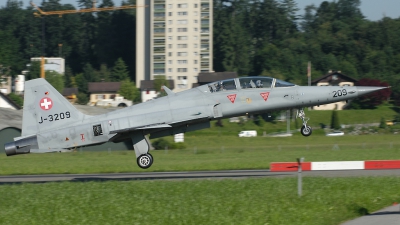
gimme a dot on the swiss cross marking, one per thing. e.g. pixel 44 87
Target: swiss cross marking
pixel 232 98
pixel 46 103
pixel 264 95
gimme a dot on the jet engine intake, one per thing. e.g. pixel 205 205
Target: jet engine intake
pixel 22 146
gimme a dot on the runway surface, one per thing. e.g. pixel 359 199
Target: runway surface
pixel 231 174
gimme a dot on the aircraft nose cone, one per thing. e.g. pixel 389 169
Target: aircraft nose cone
pixel 363 90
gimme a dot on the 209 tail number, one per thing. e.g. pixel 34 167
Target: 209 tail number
pixel 339 93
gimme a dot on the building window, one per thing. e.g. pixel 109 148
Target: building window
pixel 195 53
pixel 196 21
pixel 169 77
pixel 182 38
pixel 195 29
pixel 169 45
pixel 169 22
pixel 182 45
pixel 182 5
pixel 195 70
pixel 169 29
pixel 182 13
pixel 195 13
pixel 195 45
pixel 195 38
pixel 169 53
pixel 169 6
pixel 182 22
pixel 195 61
pixel 170 38
pixel 182 70
pixel 170 62
pixel 182 77
pixel 182 61
pixel 169 70
pixel 182 29
pixel 195 5
pixel 182 86
pixel 182 53
pixel 170 14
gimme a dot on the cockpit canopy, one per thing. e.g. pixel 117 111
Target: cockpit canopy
pixel 248 82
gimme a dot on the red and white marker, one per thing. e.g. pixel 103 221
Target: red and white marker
pixel 46 103
pixel 336 165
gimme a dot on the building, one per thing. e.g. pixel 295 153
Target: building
pixel 174 39
pixel 8 103
pixel 102 90
pixel 70 94
pixel 333 78
pixel 5 84
pixel 148 91
pixel 52 64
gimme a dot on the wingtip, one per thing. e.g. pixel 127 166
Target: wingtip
pixel 167 90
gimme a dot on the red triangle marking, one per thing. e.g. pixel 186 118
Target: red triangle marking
pixel 264 95
pixel 232 98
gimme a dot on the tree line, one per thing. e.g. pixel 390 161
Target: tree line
pixel 257 37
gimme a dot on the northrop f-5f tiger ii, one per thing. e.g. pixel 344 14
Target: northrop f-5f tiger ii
pixel 51 124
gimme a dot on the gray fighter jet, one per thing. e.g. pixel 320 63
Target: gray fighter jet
pixel 51 124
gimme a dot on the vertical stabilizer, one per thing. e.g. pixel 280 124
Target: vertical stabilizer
pixel 45 108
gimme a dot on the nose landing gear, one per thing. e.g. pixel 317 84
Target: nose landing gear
pixel 305 129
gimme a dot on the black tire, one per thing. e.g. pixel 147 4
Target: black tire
pixel 123 105
pixel 306 131
pixel 145 161
pixel 151 156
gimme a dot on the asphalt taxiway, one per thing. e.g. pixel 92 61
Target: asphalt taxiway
pixel 232 174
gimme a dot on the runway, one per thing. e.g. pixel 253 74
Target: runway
pixel 226 174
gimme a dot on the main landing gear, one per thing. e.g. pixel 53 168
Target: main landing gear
pixel 142 146
pixel 145 161
pixel 305 129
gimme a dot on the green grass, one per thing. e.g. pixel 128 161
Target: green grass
pixel 227 201
pixel 211 153
pixel 317 117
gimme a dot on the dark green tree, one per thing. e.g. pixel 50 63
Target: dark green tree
pixel 119 71
pixel 56 80
pixel 129 90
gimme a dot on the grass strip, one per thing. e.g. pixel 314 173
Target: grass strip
pixel 227 201
pixel 217 153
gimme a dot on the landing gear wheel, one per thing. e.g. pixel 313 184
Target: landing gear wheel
pixel 145 161
pixel 306 131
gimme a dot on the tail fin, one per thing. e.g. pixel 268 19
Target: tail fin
pixel 45 108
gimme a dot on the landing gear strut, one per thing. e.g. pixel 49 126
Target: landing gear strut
pixel 305 129
pixel 142 146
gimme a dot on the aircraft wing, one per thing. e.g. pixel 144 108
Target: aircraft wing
pixel 146 127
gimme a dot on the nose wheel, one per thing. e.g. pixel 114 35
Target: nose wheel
pixel 145 161
pixel 305 129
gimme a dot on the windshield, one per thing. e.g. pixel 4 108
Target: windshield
pixel 255 82
pixel 223 85
pixel 281 83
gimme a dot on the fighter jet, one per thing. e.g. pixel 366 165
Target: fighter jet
pixel 51 124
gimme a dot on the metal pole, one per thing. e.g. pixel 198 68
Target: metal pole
pixel 299 177
pixel 288 121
